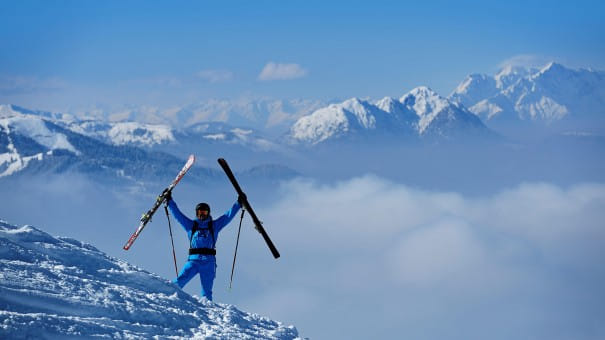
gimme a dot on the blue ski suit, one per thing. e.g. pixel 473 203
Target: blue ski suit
pixel 205 265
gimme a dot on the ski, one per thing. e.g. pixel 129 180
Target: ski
pixel 257 223
pixel 147 216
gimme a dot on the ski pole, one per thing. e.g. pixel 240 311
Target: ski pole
pixel 176 270
pixel 236 245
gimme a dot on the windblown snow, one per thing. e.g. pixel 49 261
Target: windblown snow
pixel 60 287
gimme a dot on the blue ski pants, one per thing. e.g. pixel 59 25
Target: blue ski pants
pixel 207 271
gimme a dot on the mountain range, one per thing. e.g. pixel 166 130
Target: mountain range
pixel 58 287
pixel 544 95
pixel 516 98
pixel 272 116
pixel 421 113
pixel 33 142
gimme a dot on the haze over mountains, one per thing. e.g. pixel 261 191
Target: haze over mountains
pixel 483 109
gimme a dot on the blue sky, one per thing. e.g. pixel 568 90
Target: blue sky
pixel 65 53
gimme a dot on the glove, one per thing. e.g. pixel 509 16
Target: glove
pixel 167 195
pixel 241 199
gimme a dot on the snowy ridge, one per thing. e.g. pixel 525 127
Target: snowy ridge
pixel 420 113
pixel 547 95
pixel 127 151
pixel 33 132
pixel 124 133
pixel 335 120
pixel 426 103
pixel 141 134
pixel 37 129
pixel 60 287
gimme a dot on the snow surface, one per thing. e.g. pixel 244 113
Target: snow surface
pixel 62 288
pixel 36 129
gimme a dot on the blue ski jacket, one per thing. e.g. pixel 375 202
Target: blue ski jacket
pixel 202 237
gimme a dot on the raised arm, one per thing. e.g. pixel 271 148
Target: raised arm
pixel 183 220
pixel 222 221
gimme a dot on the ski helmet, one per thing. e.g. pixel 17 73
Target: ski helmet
pixel 202 206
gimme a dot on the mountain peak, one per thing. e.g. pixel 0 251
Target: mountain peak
pixel 469 81
pixel 553 67
pixel 387 104
pixel 424 91
pixel 423 100
pixel 511 69
pixel 510 74
pixel 354 105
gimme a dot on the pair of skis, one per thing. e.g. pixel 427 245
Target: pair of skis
pixel 162 197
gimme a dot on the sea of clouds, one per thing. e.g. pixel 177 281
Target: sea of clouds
pixel 368 257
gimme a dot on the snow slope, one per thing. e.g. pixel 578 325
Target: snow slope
pixel 63 288
pixel 25 138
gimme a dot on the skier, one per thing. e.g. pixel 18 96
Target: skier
pixel 202 233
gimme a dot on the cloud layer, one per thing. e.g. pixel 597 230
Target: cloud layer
pixel 371 258
pixel 215 76
pixel 277 71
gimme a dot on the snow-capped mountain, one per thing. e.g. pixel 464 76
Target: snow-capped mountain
pixel 548 94
pixel 56 287
pixel 439 117
pixel 123 133
pixel 31 142
pixel 351 116
pixel 33 145
pixel 27 138
pixel 420 113
pixel 150 135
